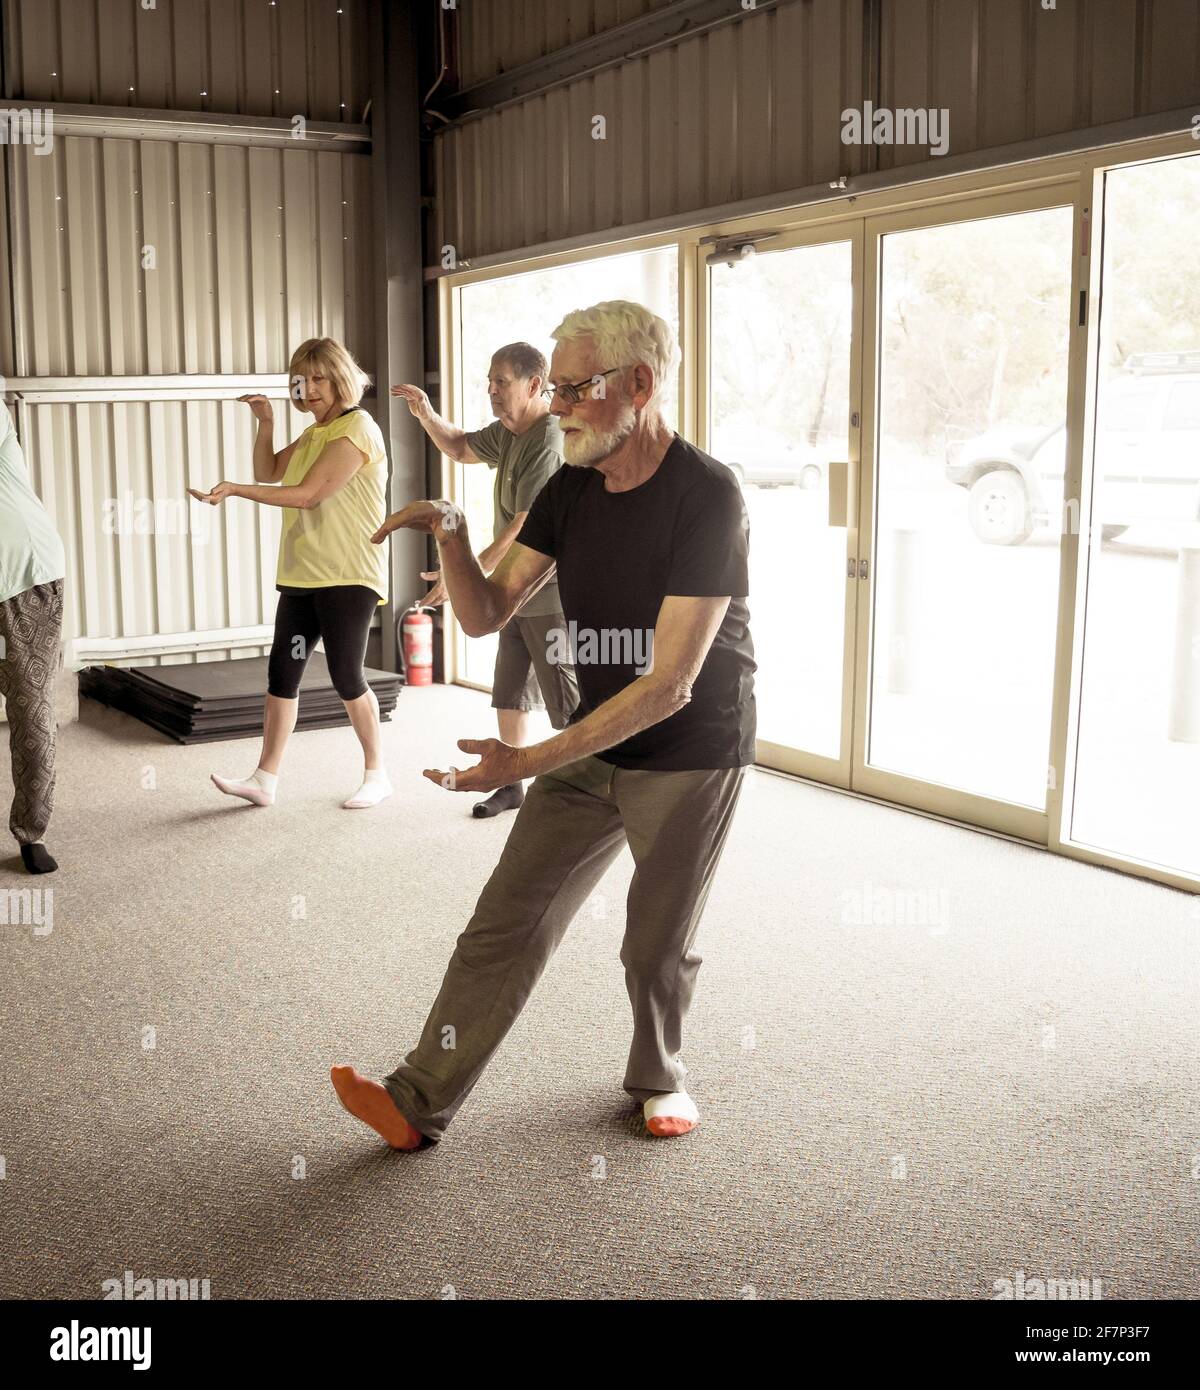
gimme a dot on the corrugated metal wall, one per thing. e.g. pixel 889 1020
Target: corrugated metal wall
pixel 502 34
pixel 141 258
pixel 754 107
pixel 252 57
pixel 1010 71
pixel 713 119
pixel 141 558
pixel 254 250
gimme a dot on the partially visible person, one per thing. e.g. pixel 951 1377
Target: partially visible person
pixel 32 569
pixel 525 447
pixel 331 484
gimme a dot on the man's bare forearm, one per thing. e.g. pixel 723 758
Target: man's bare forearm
pixel 479 605
pixel 490 556
pixel 646 701
pixel 448 438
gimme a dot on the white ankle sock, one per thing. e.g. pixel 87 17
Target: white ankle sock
pixel 258 788
pixel 376 787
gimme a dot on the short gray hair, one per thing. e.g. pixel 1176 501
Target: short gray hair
pixel 624 333
pixel 524 359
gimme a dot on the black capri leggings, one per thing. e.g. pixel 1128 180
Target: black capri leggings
pixel 341 615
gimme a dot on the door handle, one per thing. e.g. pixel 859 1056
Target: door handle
pixel 839 494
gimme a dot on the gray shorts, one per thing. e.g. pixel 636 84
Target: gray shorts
pixel 525 679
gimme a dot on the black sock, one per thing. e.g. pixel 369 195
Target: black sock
pixel 38 859
pixel 505 799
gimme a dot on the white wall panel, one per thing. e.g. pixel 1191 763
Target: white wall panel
pixel 254 249
pixel 101 467
pixel 251 249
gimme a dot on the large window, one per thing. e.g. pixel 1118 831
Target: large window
pixel 1137 788
pixel 968 485
pixel 528 308
pixel 780 417
pixel 903 392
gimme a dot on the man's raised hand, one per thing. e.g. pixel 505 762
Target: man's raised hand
pixel 418 402
pixel 436 518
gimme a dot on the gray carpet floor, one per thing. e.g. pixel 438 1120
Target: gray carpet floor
pixel 899 1109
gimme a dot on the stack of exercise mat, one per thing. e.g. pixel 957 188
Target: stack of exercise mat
pixel 205 701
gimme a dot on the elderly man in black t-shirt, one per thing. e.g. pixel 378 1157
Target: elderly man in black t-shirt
pixel 650 541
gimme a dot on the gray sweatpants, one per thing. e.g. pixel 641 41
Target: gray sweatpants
pixel 573 824
pixel 30 631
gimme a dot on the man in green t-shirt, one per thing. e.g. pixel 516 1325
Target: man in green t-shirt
pixel 525 447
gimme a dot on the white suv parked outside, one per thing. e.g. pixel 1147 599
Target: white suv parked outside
pixel 1147 458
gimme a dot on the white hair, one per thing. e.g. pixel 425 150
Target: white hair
pixel 625 334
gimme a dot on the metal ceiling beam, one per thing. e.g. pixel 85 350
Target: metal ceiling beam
pixel 656 29
pixel 203 127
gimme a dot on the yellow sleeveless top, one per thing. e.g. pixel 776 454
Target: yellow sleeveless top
pixel 331 543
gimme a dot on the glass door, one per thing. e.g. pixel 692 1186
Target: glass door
pixel 962 509
pixel 1136 791
pixel 782 412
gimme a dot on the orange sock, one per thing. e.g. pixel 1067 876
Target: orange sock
pixel 671 1114
pixel 370 1102
pixel 668 1126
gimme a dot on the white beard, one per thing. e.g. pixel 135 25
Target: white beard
pixel 586 446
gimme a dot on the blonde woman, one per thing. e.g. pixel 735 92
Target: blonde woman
pixel 331 485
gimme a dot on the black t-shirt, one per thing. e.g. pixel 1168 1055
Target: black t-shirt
pixel 684 531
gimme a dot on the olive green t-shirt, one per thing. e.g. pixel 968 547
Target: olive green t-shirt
pixel 524 464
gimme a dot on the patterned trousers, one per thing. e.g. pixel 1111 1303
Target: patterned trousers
pixel 30 629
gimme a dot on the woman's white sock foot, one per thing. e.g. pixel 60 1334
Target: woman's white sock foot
pixel 376 787
pixel 258 788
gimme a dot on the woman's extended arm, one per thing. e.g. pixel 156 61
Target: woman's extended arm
pixel 269 466
pixel 336 464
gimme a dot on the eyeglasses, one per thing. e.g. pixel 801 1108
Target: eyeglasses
pixel 572 391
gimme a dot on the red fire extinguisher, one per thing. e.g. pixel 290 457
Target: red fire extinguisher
pixel 416 647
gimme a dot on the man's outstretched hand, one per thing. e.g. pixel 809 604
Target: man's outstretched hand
pixel 439 519
pixel 499 765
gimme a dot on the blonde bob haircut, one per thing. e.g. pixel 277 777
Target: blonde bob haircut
pixel 333 361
